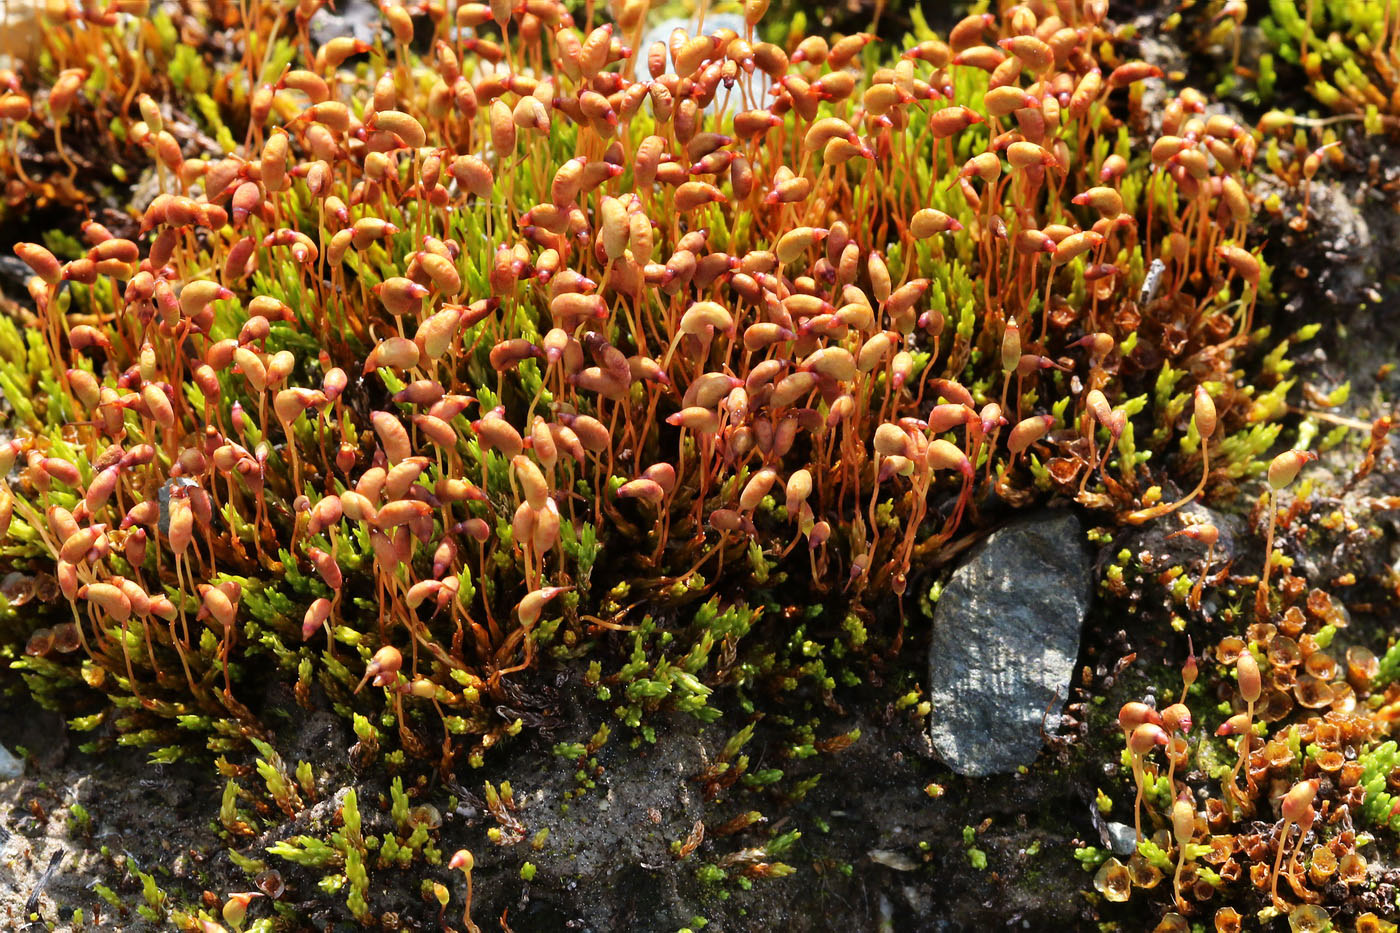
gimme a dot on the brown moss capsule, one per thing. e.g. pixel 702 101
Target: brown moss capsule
pixel 472 175
pixel 81 271
pixel 45 265
pixel 644 489
pixel 110 598
pixel 1284 468
pixel 1243 263
pixel 696 194
pixel 952 120
pixel 334 53
pixel 1131 73
pixel 1247 677
pixel 942 455
pixel 1299 800
pixel 383 668
pixel 442 272
pixel 14 106
pixel 593 51
pixel 1029 431
pixel 531 480
pixel 757 487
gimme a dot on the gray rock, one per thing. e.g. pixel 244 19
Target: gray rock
pixel 1343 252
pixel 358 19
pixel 1122 838
pixel 164 497
pixel 10 766
pixel 1005 640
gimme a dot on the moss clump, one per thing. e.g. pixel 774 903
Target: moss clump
pixel 500 342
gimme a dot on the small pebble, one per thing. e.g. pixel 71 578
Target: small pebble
pixel 1122 838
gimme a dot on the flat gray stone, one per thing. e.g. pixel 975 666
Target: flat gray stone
pixel 1122 838
pixel 358 19
pixel 1005 640
pixel 10 766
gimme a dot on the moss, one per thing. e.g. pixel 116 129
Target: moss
pixel 379 412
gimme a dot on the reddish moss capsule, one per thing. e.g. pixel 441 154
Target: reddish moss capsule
pixel 1028 431
pixel 1247 677
pixel 943 455
pixel 14 106
pixel 1283 469
pixel 952 120
pixel 45 265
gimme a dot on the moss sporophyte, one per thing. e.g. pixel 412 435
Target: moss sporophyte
pixel 418 337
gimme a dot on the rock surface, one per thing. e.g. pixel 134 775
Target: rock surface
pixel 1005 640
pixel 10 766
pixel 358 19
pixel 607 862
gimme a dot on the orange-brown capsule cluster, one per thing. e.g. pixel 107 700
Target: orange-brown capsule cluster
pixel 423 346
